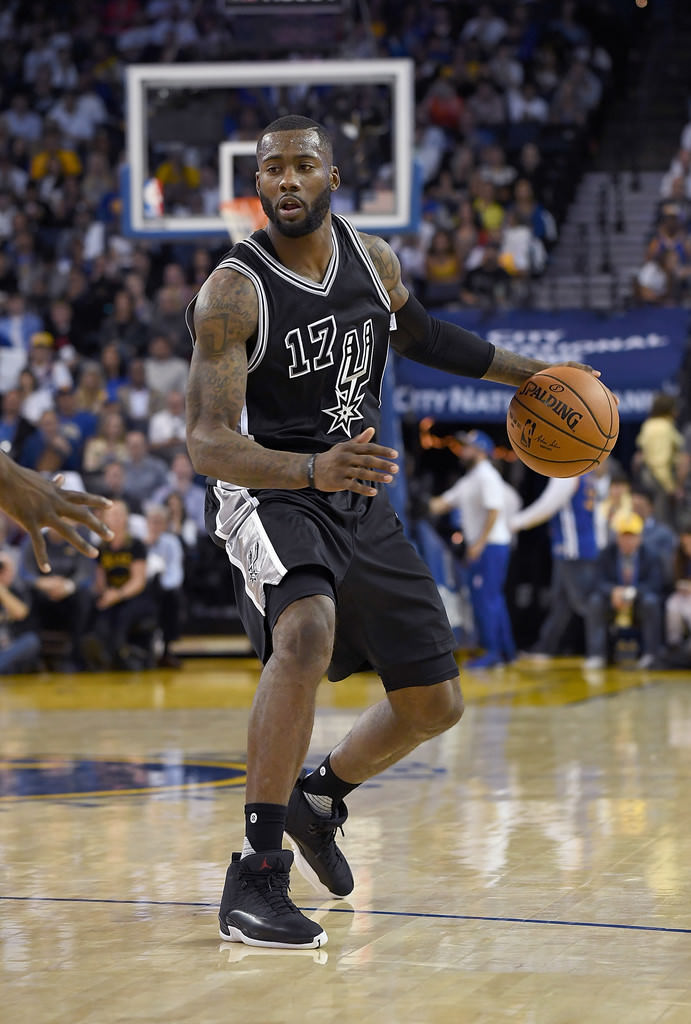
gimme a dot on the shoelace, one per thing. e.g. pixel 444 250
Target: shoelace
pixel 277 889
pixel 326 830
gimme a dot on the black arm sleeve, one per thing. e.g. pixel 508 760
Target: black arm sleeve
pixel 437 343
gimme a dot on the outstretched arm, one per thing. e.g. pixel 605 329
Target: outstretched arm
pixel 440 344
pixel 225 317
pixel 34 502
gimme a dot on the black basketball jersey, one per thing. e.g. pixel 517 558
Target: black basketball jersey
pixel 315 367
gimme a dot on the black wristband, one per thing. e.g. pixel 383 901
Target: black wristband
pixel 438 343
pixel 310 470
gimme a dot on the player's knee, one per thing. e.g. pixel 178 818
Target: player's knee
pixel 447 709
pixel 431 710
pixel 304 635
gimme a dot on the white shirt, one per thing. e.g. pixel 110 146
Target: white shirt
pixel 480 491
pixel 163 427
pixel 556 495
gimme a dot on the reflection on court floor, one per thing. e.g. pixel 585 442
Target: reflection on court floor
pixel 530 865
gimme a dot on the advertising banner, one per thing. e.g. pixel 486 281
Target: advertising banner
pixel 638 353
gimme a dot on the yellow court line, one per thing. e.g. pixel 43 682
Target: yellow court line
pixel 229 685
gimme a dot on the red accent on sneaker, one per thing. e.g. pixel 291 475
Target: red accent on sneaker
pixel 264 866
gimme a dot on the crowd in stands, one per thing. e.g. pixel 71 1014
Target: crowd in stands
pixel 94 350
pixel 664 277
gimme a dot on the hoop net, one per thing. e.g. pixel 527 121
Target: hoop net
pixel 242 216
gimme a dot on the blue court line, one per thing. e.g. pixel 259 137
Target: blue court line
pixel 369 913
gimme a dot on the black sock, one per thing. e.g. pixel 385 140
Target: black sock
pixel 264 826
pixel 324 782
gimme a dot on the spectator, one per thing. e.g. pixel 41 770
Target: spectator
pixel 108 443
pixel 487 284
pixel 185 528
pixel 167 430
pixel 144 473
pixel 137 399
pixel 522 254
pixel 489 213
pixel 529 211
pixel 50 372
pixel 65 333
pixel 480 499
pixel 164 371
pixel 526 105
pixel 486 105
pixel 35 400
pixel 169 319
pixel 494 167
pixel 531 167
pixel 78 425
pixel 178 177
pixel 465 232
pixel 628 593
pixel 660 280
pixel 442 269
pixel 22 122
pixel 678 604
pixel 181 481
pixel 50 435
pixel 53 152
pixel 124 327
pixel 77 118
pixel 91 388
pixel 486 27
pixel 14 428
pixel 112 485
pixel 670 233
pixel 167 556
pixel 18 324
pixel 657 462
pixel 113 365
pixel 20 645
pixel 62 598
pixel 122 601
pixel 569 506
pixel 658 537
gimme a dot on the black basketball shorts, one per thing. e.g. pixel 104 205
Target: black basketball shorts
pixel 284 545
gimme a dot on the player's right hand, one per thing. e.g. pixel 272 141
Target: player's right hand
pixel 348 465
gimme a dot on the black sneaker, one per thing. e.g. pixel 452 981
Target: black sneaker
pixel 256 908
pixel 317 857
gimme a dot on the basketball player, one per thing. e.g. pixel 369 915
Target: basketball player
pixel 291 337
pixel 34 502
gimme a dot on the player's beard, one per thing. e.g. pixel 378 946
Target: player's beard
pixel 314 217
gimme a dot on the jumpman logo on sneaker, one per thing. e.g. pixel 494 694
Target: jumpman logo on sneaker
pixel 264 866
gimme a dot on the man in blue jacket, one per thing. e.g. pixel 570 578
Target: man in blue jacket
pixel 628 592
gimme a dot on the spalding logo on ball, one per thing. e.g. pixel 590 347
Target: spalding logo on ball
pixel 562 421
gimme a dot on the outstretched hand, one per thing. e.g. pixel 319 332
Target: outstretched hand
pixel 348 465
pixel 35 502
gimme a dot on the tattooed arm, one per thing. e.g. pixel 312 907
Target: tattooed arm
pixel 225 316
pixel 442 344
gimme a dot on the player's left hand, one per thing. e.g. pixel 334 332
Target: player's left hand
pixel 590 369
pixel 35 502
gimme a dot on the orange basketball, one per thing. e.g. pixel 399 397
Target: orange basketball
pixel 562 421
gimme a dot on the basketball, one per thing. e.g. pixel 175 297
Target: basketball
pixel 562 421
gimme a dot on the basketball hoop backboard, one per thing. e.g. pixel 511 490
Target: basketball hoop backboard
pixel 192 128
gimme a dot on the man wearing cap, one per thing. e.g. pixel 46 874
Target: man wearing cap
pixel 628 589
pixel 480 497
pixel 50 373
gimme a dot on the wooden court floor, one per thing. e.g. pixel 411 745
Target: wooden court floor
pixel 532 865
